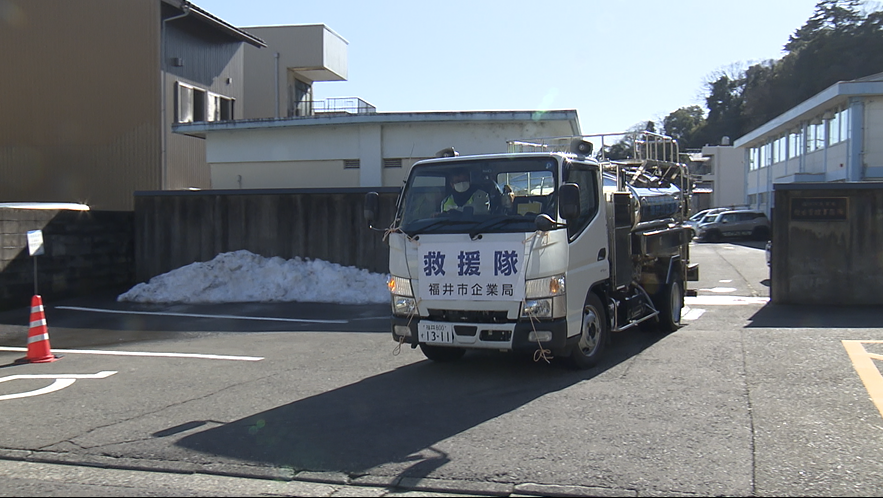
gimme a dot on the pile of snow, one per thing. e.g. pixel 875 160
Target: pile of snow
pixel 242 276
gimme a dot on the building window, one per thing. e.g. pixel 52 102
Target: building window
pixel 815 135
pixel 184 104
pixel 764 155
pixel 752 159
pixel 300 97
pixel 350 163
pixel 193 105
pixel 838 126
pixel 780 149
pixel 392 163
pixel 795 144
pixel 220 108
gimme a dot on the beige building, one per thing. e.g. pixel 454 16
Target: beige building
pixel 359 149
pixel 90 91
pixel 279 78
pixel 722 175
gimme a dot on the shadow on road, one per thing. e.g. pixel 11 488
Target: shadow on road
pixel 397 417
pixel 814 316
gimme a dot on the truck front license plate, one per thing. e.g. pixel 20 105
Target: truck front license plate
pixel 435 333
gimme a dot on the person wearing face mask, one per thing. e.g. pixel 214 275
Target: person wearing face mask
pixel 464 195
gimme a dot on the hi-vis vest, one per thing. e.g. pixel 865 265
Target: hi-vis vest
pixel 478 200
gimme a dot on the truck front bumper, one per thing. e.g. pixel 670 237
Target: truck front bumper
pixel 514 336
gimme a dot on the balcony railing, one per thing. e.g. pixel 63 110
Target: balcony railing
pixel 342 106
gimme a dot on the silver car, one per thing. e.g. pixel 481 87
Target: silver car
pixel 701 217
pixel 737 224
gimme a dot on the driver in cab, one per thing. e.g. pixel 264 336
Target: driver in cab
pixel 465 196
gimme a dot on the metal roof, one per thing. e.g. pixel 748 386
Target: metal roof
pixel 207 17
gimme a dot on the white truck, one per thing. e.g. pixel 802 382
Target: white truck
pixel 564 249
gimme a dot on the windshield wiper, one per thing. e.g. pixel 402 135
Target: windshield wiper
pixel 494 223
pixel 433 223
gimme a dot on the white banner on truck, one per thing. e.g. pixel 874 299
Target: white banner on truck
pixel 490 271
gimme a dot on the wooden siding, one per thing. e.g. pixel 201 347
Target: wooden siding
pixel 80 110
pixel 83 118
pixel 209 62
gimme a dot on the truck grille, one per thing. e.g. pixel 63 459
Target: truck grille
pixel 468 316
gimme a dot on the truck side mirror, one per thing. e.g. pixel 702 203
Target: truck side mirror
pixel 372 206
pixel 545 223
pixel 568 201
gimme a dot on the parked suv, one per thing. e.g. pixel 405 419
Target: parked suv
pixel 700 217
pixel 735 224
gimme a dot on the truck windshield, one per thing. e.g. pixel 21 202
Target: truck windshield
pixel 492 195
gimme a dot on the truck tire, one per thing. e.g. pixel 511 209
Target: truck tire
pixel 442 353
pixel 670 303
pixel 592 336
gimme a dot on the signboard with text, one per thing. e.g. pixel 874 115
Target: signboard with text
pixel 491 271
pixel 819 208
pixel 35 242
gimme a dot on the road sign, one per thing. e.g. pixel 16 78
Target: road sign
pixel 35 242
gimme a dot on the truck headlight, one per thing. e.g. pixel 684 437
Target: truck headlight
pixel 399 286
pixel 544 287
pixel 537 308
pixel 403 302
pixel 404 306
pixel 545 297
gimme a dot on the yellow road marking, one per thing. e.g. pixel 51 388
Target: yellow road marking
pixel 867 369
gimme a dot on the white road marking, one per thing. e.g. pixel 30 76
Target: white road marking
pixel 691 314
pixel 720 290
pixel 197 315
pixel 725 281
pixel 61 381
pixel 724 300
pixel 141 353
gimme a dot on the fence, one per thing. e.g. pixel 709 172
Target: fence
pixel 85 251
pixel 176 228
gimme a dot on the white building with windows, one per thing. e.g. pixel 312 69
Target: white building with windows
pixel 835 136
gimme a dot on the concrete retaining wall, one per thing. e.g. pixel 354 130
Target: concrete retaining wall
pixel 84 252
pixel 827 244
pixel 174 229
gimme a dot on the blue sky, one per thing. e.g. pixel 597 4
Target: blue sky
pixel 617 63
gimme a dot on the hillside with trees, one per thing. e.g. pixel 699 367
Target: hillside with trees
pixel 840 42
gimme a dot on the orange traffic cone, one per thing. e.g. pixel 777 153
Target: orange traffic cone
pixel 38 336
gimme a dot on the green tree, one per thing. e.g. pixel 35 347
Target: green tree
pixel 625 147
pixel 684 126
pixel 837 43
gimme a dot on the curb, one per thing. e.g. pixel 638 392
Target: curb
pixel 392 484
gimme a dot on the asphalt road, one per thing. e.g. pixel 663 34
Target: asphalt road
pixel 746 399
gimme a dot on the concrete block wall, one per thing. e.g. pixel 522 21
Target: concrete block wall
pixel 177 228
pixel 84 252
pixel 827 244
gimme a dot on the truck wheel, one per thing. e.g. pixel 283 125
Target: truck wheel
pixel 671 301
pixel 592 336
pixel 441 353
